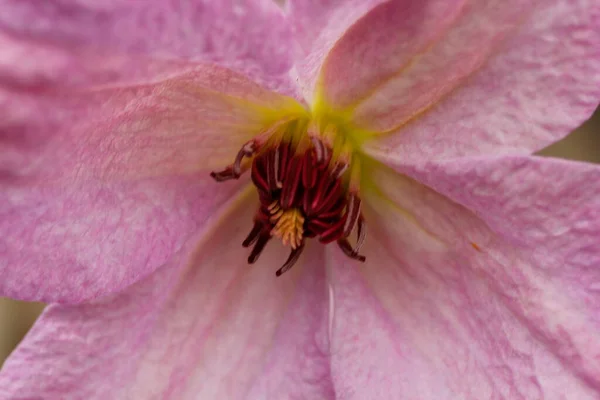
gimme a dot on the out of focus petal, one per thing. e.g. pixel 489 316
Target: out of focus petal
pixel 250 36
pixel 380 46
pixel 448 307
pixel 101 186
pixel 205 325
pixel 318 25
pixel 450 78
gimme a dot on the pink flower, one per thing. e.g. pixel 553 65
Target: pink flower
pixel 482 262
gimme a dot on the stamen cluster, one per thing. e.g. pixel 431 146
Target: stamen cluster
pixel 304 193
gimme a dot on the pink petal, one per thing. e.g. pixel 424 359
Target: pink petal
pixel 101 186
pixel 451 78
pixel 250 36
pixel 379 47
pixel 317 26
pixel 446 307
pixel 205 326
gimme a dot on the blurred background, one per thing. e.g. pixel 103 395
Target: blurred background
pixel 16 317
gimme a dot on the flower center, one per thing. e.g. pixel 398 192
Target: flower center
pixel 307 186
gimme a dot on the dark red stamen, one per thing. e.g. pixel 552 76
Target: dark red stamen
pixel 286 150
pixel 224 175
pixel 247 150
pixel 294 255
pixel 253 235
pixel 361 233
pixel 318 225
pixel 277 166
pixel 258 247
pixel 331 196
pixel 334 232
pixel 353 213
pixel 309 170
pixel 335 210
pixel 310 196
pixel 291 183
pixel 319 193
pixel 258 178
pixel 271 163
pixel 349 251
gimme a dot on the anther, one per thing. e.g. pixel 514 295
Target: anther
pixel 247 150
pixel 276 165
pixel 258 248
pixel 294 256
pixel 235 170
pixel 339 169
pixel 349 251
pixel 334 232
pixel 253 235
pixel 271 170
pixel 223 175
pixel 334 211
pixel 320 150
pixel 257 177
pixel 352 214
pixel 291 183
pixel 333 193
pixel 361 233
pixel 309 170
pixel 318 225
pixel 319 192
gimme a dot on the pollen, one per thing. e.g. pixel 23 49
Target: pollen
pixel 307 185
pixel 289 225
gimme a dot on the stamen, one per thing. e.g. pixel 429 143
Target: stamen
pixel 247 150
pixel 263 216
pixel 309 170
pixel 253 235
pixel 335 211
pixel 318 193
pixel 257 177
pixel 339 169
pixel 294 256
pixel 258 248
pixel 282 156
pixel 291 183
pixel 232 171
pixel 223 175
pixel 320 151
pixel 318 225
pixel 271 170
pixel 333 193
pixel 349 251
pixel 335 232
pixel 276 165
pixel 352 213
pixel 304 189
pixel 361 234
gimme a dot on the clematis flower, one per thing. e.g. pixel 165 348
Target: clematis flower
pixel 412 120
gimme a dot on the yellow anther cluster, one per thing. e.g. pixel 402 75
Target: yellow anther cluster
pixel 289 225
